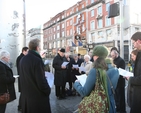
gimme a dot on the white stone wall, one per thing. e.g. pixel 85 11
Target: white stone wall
pixel 11 26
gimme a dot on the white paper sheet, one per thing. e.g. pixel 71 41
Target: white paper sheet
pixel 82 78
pixel 75 66
pixel 50 78
pixel 82 69
pixel 125 73
pixel 65 63
pixel 15 76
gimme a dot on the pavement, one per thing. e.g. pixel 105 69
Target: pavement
pixel 68 105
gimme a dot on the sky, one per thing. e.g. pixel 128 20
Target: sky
pixel 39 12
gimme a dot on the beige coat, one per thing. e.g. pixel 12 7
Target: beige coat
pixel 87 66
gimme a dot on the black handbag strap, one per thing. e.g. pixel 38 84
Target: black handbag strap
pixel 112 87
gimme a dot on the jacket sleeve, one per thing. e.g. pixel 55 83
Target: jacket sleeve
pixel 89 85
pixel 56 64
pixel 41 80
pixel 3 76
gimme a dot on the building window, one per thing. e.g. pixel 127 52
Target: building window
pixel 58 19
pixel 92 39
pixel 82 17
pixel 100 34
pixel 54 36
pixel 63 43
pixel 62 16
pixel 63 25
pixel 70 12
pixel 58 35
pixel 92 13
pixel 92 25
pixel 67 14
pixel 63 34
pixel 67 32
pixel 100 23
pixel 54 44
pixel 70 22
pixel 70 31
pixel 54 29
pixel 58 44
pixel 82 6
pixel 50 45
pixel 107 6
pixel 108 21
pixel 58 27
pixel 92 1
pixel 67 23
pixel 76 9
pixel 99 10
pixel 109 33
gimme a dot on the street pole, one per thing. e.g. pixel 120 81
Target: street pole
pixel 121 30
pixel 24 20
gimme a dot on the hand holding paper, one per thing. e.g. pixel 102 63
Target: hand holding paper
pixel 75 66
pixel 82 78
pixel 65 63
pixel 82 69
pixel 125 73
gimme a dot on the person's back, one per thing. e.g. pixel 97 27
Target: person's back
pixel 34 87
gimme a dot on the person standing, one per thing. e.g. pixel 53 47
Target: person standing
pixel 135 81
pixel 24 52
pixel 68 70
pixel 60 74
pixel 34 86
pixel 87 64
pixel 120 89
pixel 105 68
pixel 6 78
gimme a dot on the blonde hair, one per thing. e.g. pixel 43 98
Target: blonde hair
pixel 87 56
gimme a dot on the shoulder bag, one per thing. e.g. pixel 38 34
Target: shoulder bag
pixel 97 101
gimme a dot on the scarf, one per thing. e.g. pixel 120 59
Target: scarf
pixel 103 77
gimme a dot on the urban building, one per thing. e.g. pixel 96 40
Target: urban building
pixel 35 33
pixel 86 24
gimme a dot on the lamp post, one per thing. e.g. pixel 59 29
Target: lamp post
pixel 24 21
pixel 121 30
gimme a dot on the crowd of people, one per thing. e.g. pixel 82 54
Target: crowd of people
pixel 35 90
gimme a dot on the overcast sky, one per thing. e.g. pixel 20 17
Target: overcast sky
pixel 39 11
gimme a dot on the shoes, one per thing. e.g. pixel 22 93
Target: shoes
pixel 61 97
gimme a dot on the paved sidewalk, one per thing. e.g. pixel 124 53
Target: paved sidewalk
pixel 68 105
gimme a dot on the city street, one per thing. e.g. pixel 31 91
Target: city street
pixel 68 105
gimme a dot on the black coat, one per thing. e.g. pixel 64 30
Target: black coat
pixel 136 85
pixel 7 81
pixel 18 68
pixel 120 63
pixel 34 87
pixel 74 71
pixel 59 74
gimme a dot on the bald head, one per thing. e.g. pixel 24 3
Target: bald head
pixel 114 54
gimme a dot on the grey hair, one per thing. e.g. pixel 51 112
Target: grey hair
pixel 87 56
pixel 4 53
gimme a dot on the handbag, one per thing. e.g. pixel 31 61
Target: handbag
pixel 97 101
pixel 5 97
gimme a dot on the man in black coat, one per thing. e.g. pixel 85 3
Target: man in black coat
pixel 120 89
pixel 135 81
pixel 60 74
pixel 24 52
pixel 34 86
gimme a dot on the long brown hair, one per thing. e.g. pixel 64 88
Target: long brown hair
pixel 100 63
